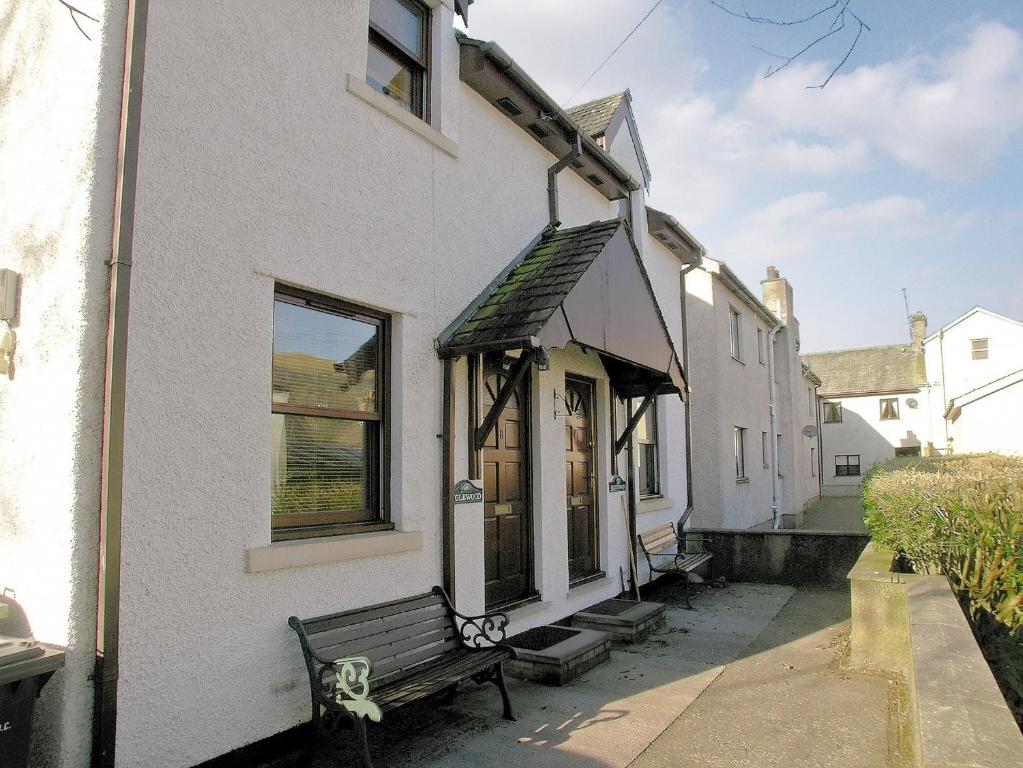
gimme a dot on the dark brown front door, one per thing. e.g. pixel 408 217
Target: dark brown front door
pixel 580 481
pixel 507 526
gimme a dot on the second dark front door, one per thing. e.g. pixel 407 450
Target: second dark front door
pixel 580 482
pixel 507 524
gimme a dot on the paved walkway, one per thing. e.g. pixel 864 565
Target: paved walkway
pixel 750 677
pixel 841 513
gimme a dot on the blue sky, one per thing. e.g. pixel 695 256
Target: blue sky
pixel 905 172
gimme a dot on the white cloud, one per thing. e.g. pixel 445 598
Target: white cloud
pixel 808 223
pixel 948 115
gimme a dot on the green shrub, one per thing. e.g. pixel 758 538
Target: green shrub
pixel 962 516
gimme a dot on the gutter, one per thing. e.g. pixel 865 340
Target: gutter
pixel 772 401
pixel 112 460
pixel 736 286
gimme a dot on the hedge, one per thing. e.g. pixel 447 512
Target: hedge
pixel 962 516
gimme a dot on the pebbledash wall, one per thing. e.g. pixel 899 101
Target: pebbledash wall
pixel 58 137
pixel 264 173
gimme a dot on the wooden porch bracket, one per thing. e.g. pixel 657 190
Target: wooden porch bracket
pixel 622 441
pixel 514 378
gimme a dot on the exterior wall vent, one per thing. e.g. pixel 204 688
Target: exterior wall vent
pixel 577 164
pixel 538 130
pixel 509 106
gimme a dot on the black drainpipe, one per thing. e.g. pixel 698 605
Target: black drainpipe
pixel 552 180
pixel 447 484
pixel 112 466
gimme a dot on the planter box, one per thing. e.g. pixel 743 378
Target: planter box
pixel 912 625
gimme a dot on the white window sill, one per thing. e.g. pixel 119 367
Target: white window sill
pixel 419 127
pixel 590 586
pixel 655 504
pixel 332 549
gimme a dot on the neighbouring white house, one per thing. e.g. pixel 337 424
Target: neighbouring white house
pixel 955 390
pixel 285 279
pixel 754 455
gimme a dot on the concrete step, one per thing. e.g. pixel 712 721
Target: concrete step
pixel 557 655
pixel 628 621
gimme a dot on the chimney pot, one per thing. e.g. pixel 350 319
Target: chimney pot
pixel 918 324
pixel 772 273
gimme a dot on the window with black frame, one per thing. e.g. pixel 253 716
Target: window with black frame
pixel 646 439
pixel 832 413
pixel 889 408
pixel 398 60
pixel 847 465
pixel 328 416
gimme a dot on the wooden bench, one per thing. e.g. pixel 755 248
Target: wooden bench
pixel 673 553
pixel 365 662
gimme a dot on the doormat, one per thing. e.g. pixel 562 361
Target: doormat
pixel 541 638
pixel 612 607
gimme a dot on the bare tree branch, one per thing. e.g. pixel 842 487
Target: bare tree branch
pixel 840 9
pixel 75 12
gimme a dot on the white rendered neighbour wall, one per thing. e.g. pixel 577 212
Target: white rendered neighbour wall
pixel 58 137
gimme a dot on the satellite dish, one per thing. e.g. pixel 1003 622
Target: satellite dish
pixel 911 402
pixel 809 431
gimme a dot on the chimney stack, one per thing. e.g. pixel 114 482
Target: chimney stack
pixel 777 295
pixel 918 324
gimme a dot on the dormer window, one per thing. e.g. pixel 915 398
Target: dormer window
pixel 398 59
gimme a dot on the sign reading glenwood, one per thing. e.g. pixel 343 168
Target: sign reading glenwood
pixel 467 493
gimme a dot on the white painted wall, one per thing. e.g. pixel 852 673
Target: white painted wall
pixel 991 419
pixel 58 136
pixel 862 432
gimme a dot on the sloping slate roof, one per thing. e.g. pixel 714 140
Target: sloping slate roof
pixel 595 116
pixel 521 305
pixel 896 368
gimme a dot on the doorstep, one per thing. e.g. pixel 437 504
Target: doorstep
pixel 557 655
pixel 628 621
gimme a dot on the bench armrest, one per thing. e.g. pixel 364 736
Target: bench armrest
pixel 351 686
pixel 486 631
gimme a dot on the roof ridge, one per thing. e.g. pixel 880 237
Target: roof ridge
pixel 858 349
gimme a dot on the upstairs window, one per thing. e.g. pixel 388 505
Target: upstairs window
pixel 889 408
pixel 646 437
pixel 832 413
pixel 763 449
pixel 328 417
pixel 398 64
pixel 761 347
pixel 735 333
pixel 978 349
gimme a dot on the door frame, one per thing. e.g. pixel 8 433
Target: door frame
pixel 595 457
pixel 526 406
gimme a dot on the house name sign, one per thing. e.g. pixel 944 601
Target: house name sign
pixel 467 493
pixel 616 484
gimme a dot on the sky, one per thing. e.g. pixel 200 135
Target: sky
pixel 905 171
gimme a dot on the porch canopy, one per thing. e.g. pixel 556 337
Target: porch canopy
pixel 585 285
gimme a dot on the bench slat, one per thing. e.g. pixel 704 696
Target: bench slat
pixel 380 611
pixel 364 631
pixel 402 664
pixel 435 678
pixel 391 643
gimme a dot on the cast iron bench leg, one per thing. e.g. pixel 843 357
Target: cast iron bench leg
pixel 689 605
pixel 449 694
pixel 499 679
pixel 360 726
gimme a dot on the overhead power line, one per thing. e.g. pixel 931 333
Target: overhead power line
pixel 610 55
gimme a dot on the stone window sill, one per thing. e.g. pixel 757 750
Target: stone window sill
pixel 655 504
pixel 592 585
pixel 419 127
pixel 742 479
pixel 333 549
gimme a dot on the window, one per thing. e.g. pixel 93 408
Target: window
pixel 813 461
pixel 832 413
pixel 811 400
pixel 397 64
pixel 847 466
pixel 913 450
pixel 328 417
pixel 646 438
pixel 763 450
pixel 777 447
pixel 979 349
pixel 735 333
pixel 761 347
pixel 889 408
pixel 740 453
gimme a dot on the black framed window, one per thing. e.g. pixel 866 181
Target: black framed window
pixel 398 63
pixel 889 408
pixel 739 437
pixel 646 444
pixel 832 413
pixel 761 347
pixel 763 450
pixel 328 417
pixel 847 465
